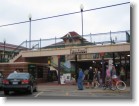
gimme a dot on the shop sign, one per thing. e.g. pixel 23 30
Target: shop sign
pixel 79 51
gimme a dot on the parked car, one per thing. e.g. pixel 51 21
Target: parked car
pixel 1 78
pixel 19 82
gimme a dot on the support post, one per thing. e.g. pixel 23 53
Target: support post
pixel 59 69
pixel 103 68
pixel 113 54
pixel 103 71
pixel 76 67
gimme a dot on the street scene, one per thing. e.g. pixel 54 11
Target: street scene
pixel 54 91
pixel 64 52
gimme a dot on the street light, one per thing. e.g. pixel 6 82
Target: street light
pixel 30 30
pixel 81 8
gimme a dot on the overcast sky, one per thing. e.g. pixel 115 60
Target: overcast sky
pixel 12 11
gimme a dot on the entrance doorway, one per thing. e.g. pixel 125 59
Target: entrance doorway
pixel 32 70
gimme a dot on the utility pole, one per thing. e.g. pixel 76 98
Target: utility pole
pixel 30 31
pixel 82 7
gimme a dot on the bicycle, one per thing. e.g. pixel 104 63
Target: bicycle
pixel 107 84
pixel 115 83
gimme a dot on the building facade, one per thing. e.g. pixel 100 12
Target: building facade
pixel 69 54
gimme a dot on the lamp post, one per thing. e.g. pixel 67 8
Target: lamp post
pixel 30 30
pixel 81 8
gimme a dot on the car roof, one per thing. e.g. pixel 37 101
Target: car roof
pixel 19 73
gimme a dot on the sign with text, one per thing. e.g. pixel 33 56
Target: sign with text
pixel 78 51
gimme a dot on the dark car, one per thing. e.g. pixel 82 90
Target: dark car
pixel 1 78
pixel 19 82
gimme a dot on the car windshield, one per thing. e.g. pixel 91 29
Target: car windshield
pixel 18 76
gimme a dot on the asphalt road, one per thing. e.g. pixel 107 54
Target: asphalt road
pixel 69 92
pixel 67 95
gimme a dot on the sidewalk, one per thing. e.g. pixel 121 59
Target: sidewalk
pixel 54 86
pixel 55 90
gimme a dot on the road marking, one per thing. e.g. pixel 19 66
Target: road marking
pixel 38 94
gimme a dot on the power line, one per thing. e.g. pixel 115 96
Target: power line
pixel 65 14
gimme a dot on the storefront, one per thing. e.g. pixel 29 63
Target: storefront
pixel 39 71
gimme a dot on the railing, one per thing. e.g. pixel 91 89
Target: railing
pixel 90 39
pixel 17 50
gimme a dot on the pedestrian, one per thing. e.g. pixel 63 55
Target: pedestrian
pixel 122 74
pixel 108 76
pixel 80 79
pixel 99 74
pixel 113 72
pixel 90 78
pixel 15 71
pixel 86 74
pixel 96 83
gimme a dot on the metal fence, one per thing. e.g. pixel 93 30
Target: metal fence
pixel 90 39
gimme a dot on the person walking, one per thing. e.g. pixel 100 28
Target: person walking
pixel 86 74
pixel 108 79
pixel 113 72
pixel 96 83
pixel 108 74
pixel 99 76
pixel 80 79
pixel 90 78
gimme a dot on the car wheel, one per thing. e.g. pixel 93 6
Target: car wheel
pixel 31 89
pixel 6 92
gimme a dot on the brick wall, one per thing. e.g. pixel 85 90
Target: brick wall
pixel 7 68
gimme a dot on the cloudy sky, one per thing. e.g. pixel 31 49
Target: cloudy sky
pixel 12 11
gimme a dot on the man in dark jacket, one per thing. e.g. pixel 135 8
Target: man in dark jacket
pixel 90 78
